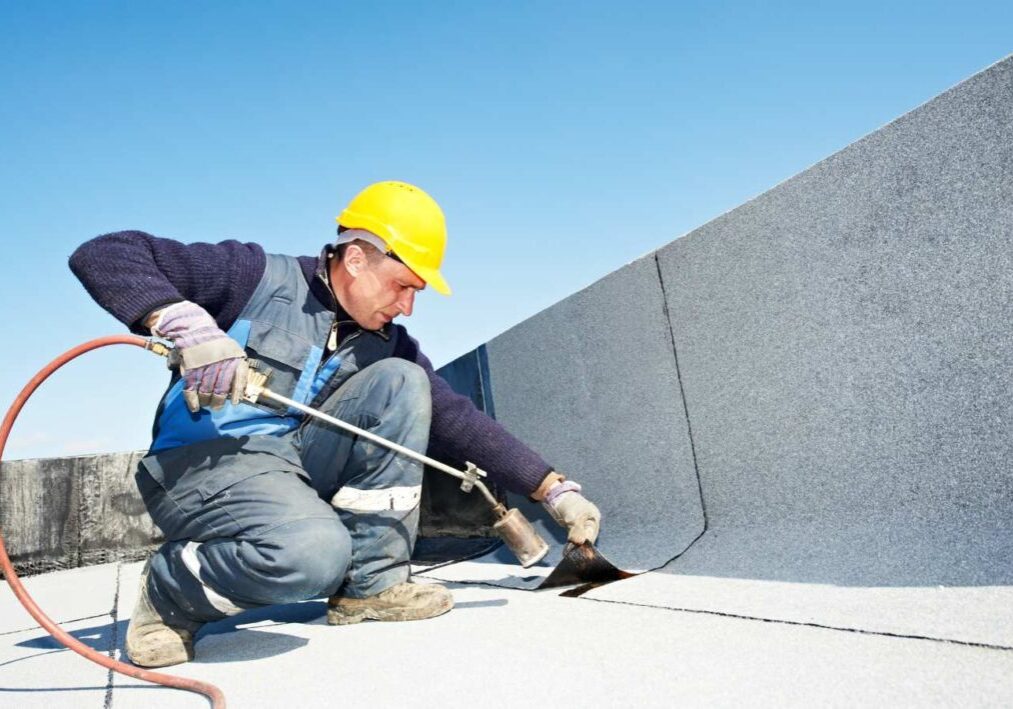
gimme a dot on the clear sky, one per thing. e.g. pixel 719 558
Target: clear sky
pixel 562 140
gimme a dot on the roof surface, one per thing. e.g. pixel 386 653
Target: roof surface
pixel 653 640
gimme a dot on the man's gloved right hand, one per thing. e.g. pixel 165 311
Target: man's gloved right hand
pixel 213 365
pixel 573 511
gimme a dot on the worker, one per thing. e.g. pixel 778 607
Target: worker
pixel 259 504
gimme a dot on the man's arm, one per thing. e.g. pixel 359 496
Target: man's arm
pixel 461 431
pixel 187 293
pixel 132 274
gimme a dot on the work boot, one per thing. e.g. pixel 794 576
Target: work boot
pixel 150 641
pixel 405 601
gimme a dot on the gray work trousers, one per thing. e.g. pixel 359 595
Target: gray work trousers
pixel 260 520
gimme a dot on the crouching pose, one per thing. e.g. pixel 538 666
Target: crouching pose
pixel 263 505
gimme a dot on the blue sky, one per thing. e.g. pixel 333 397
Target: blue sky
pixel 562 140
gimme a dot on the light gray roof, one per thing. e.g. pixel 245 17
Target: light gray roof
pixel 504 647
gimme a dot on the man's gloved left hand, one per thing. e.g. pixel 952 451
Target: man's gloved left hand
pixel 574 511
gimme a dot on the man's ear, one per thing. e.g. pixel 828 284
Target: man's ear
pixel 354 260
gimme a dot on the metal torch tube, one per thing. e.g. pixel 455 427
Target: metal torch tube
pixel 268 394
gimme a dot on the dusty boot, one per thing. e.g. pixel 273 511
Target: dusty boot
pixel 152 643
pixel 405 601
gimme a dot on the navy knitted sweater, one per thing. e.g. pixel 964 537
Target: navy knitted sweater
pixel 131 273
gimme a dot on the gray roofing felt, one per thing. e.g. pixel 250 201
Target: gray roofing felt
pixel 797 418
pixel 609 411
pixel 812 388
pixel 845 348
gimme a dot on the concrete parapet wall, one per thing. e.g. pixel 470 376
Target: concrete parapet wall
pixel 61 513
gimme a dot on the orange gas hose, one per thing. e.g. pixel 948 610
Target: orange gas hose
pixel 209 690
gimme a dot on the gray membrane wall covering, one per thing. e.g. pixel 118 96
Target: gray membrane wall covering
pixel 591 383
pixel 824 388
pixel 846 353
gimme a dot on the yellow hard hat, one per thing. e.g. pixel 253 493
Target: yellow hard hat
pixel 409 221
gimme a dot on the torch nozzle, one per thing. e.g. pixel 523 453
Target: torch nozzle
pixel 519 536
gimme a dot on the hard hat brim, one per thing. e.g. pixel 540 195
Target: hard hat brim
pixel 431 277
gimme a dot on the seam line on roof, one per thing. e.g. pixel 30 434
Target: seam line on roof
pixel 114 641
pixel 685 406
pixel 860 631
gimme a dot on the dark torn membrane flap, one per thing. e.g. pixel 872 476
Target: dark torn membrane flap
pixel 583 564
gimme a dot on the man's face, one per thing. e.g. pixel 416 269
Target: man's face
pixel 379 290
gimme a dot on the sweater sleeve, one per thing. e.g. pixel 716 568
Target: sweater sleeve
pixel 131 273
pixel 461 432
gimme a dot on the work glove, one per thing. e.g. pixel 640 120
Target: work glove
pixel 574 511
pixel 212 364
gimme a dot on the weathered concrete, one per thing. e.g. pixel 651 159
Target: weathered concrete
pixel 59 513
pixel 39 506
pixel 113 519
